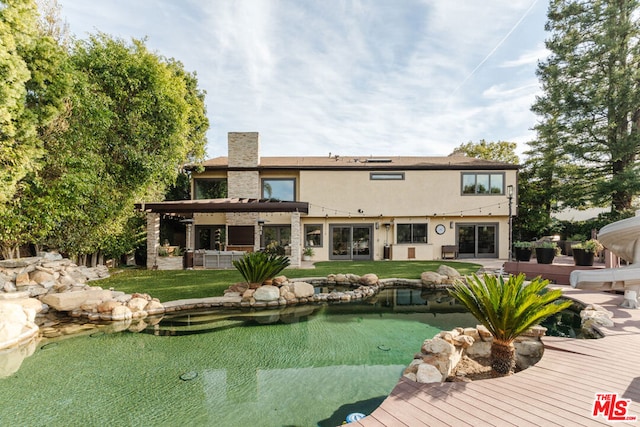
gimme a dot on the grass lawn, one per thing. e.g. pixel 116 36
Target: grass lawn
pixel 181 284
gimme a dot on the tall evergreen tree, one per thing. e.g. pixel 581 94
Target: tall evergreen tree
pixel 588 138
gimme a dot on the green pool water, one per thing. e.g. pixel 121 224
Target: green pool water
pixel 307 369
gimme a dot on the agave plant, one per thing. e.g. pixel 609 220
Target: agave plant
pixel 256 267
pixel 507 309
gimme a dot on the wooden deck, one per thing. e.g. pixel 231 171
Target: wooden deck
pixel 558 391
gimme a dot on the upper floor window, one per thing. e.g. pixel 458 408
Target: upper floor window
pixel 210 188
pixel 279 189
pixel 412 233
pixel 386 176
pixel 483 183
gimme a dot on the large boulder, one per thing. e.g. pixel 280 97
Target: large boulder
pixel 369 279
pixel 302 289
pixel 428 373
pixel 431 278
pixel 13 320
pixel 267 293
pixel 450 272
pixel 72 300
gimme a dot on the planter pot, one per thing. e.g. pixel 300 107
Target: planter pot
pixel 523 254
pixel 567 246
pixel 582 257
pixel 306 258
pixel 545 255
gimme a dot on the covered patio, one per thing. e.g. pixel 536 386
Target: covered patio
pixel 250 208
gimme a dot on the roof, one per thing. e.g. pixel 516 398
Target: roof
pixel 367 163
pixel 188 207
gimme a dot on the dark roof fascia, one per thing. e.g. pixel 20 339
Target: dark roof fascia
pixel 198 206
pixel 504 166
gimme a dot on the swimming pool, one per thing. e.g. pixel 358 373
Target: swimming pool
pixel 302 366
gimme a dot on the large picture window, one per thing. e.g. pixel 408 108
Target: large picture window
pixel 412 233
pixel 210 188
pixel 482 183
pixel 279 189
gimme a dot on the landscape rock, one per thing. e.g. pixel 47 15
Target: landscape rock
pixel 449 272
pixel 71 300
pixel 368 279
pixel 302 289
pixel 431 278
pixel 428 373
pixel 267 293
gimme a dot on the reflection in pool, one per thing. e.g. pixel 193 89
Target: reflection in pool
pixel 296 366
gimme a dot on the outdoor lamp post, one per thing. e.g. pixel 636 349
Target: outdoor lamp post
pixel 510 197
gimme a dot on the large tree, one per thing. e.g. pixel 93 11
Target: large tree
pixel 590 108
pixel 501 151
pixel 136 119
pixel 36 83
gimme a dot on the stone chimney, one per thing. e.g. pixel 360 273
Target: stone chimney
pixel 244 149
pixel 244 152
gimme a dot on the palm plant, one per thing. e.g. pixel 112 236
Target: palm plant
pixel 507 309
pixel 256 267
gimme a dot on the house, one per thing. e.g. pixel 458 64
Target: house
pixel 347 208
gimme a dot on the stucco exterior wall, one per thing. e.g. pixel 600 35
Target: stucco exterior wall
pixel 344 194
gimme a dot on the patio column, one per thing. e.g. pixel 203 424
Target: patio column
pixel 296 242
pixel 153 238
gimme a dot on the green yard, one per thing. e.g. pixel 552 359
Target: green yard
pixel 180 284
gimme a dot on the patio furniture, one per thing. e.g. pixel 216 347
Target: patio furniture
pixel 449 252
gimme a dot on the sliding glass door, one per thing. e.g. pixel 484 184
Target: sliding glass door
pixel 350 242
pixel 477 240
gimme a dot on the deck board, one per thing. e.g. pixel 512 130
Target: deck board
pixel 558 390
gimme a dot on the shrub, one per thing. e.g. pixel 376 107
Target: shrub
pixel 275 248
pixel 507 309
pixel 592 246
pixel 523 245
pixel 256 267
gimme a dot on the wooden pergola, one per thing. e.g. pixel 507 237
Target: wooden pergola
pixel 187 208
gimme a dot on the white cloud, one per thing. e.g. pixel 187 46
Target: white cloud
pixel 353 77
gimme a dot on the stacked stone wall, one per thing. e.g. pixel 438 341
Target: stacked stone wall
pixel 244 149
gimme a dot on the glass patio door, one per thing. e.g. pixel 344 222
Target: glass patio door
pixel 477 240
pixel 350 242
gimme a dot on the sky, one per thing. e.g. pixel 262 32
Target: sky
pixel 369 77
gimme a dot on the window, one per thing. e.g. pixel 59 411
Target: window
pixel 412 233
pixel 241 235
pixel 313 235
pixel 482 183
pixel 210 188
pixel 388 176
pixel 276 235
pixel 210 237
pixel 279 189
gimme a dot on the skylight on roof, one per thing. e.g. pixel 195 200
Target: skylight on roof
pixel 378 160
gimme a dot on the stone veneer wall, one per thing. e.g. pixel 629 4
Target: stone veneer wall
pixel 296 242
pixel 243 184
pixel 153 238
pixel 244 149
pixel 244 152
